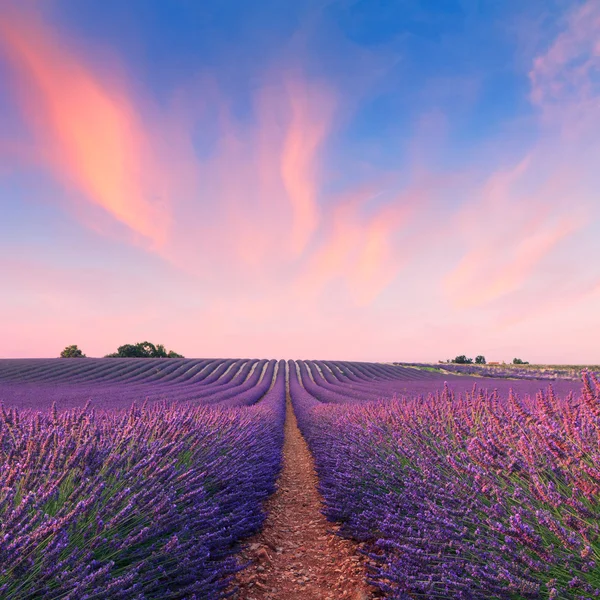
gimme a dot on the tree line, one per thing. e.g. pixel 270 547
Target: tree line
pixel 139 350
pixel 462 359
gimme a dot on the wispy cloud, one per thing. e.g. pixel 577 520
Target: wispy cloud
pixel 85 125
pixel 566 74
pixel 523 215
pixel 311 115
pixel 271 235
pixel 503 264
pixel 358 248
pixel 259 185
pixel 252 206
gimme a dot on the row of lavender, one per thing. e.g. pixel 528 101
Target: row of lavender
pixel 368 381
pixel 114 383
pixel 477 496
pixel 146 503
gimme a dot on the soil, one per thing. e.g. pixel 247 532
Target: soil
pixel 297 556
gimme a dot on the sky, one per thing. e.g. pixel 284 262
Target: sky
pixel 376 180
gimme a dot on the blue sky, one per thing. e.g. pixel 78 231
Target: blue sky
pixel 353 179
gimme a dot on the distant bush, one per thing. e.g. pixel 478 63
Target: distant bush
pixel 518 361
pixel 480 360
pixel 462 360
pixel 72 352
pixel 143 350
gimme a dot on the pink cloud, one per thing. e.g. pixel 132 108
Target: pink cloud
pixel 260 183
pixel 564 73
pixel 564 297
pixel 525 215
pixel 87 128
pixel 249 211
pixel 268 261
pixel 310 121
pixel 358 247
pixel 564 79
pixel 494 270
pixel 138 163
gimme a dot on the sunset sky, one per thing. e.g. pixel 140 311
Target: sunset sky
pixel 337 179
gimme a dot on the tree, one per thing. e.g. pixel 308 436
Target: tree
pixel 143 350
pixel 480 360
pixel 462 360
pixel 518 361
pixel 72 352
pixel 160 351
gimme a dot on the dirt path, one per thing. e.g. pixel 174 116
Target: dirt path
pixel 296 557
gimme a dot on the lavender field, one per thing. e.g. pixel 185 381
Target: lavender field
pixel 142 478
pixel 121 479
pixel 488 492
pixel 300 194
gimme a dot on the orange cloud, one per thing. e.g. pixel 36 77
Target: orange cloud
pixel 253 201
pixel 246 212
pixel 85 124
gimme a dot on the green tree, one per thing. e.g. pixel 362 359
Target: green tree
pixel 518 361
pixel 462 360
pixel 480 360
pixel 160 351
pixel 143 350
pixel 72 352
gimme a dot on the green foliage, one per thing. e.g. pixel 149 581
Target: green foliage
pixel 480 360
pixel 143 350
pixel 518 361
pixel 462 360
pixel 72 352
